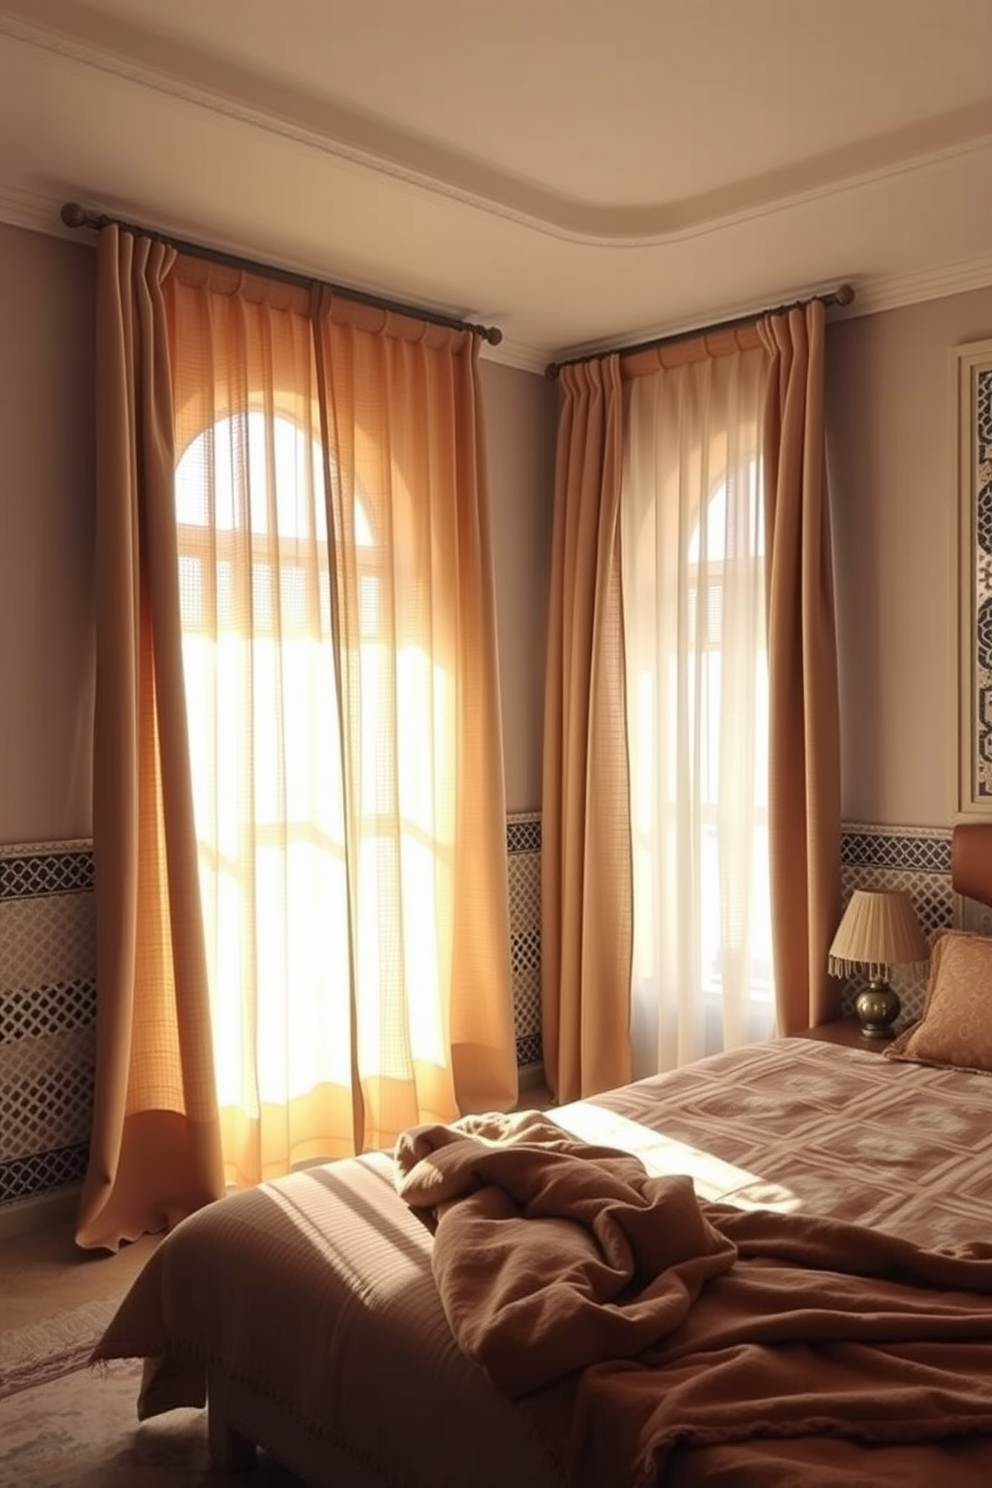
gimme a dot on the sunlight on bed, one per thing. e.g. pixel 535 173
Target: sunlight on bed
pixel 714 1180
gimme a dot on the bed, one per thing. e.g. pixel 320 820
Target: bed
pixel 770 1267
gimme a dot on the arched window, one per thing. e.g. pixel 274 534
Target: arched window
pixel 725 559
pixel 265 747
pixel 697 695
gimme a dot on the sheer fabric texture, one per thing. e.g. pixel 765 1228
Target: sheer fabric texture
pixel 299 816
pixel 692 529
pixel 340 655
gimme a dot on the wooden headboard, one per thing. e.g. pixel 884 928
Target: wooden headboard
pixel 971 860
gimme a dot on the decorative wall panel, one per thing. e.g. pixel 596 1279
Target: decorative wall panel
pixel 47 1015
pixel 523 848
pixel 972 367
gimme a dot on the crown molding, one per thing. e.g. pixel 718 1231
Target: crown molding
pixel 515 354
pixel 872 295
pixel 33 211
pixel 890 292
pixel 39 213
pixel 388 151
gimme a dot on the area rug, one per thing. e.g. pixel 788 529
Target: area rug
pixel 43 1351
pixel 81 1431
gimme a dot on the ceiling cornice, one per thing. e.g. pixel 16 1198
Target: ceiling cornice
pixel 370 145
pixel 891 292
pixel 38 213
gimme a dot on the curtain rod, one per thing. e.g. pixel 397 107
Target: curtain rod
pixel 73 215
pixel 842 295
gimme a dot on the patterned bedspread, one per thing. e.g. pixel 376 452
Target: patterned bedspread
pixel 317 1291
pixel 796 1123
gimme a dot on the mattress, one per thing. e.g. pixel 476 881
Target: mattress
pixel 315 1295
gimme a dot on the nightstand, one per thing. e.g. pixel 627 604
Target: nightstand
pixel 846 1031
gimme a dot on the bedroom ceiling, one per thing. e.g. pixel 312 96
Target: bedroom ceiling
pixel 579 172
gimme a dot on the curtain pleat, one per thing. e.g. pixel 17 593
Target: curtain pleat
pixel 154 1149
pixel 586 925
pixel 804 743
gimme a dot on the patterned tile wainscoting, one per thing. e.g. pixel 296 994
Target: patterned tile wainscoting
pixel 523 848
pixel 916 859
pixel 48 1000
pixel 48 992
pixel 47 1016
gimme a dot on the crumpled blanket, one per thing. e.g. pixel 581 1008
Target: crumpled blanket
pixel 671 1326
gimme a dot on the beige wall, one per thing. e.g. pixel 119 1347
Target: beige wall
pixel 46 540
pixel 46 536
pixel 894 502
pixel 521 418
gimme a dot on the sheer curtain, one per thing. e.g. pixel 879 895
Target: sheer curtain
pixel 339 647
pixel 692 524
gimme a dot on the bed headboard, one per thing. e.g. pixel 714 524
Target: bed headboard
pixel 971 860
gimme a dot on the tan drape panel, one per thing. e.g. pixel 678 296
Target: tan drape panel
pixel 404 440
pixel 585 865
pixel 804 745
pixel 154 1151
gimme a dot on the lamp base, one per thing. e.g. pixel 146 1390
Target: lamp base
pixel 877 1008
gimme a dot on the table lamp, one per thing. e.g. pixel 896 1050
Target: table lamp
pixel 878 929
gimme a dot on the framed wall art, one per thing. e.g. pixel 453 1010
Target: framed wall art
pixel 971 397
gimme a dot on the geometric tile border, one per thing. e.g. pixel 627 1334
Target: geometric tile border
pixel 523 833
pixel 27 1177
pixel 46 868
pixel 915 849
pixel 47 1015
pixel 523 848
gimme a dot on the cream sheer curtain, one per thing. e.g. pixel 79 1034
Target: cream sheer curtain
pixel 692 526
pixel 585 861
pixel 155 1146
pixel 340 656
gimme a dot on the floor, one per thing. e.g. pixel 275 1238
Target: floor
pixel 44 1272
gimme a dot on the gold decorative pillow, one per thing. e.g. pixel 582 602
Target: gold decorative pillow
pixel 955 1030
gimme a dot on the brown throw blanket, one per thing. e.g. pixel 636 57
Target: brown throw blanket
pixel 672 1326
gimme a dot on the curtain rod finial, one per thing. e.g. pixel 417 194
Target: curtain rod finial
pixel 844 295
pixel 73 215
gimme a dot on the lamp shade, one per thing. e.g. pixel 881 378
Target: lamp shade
pixel 878 929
